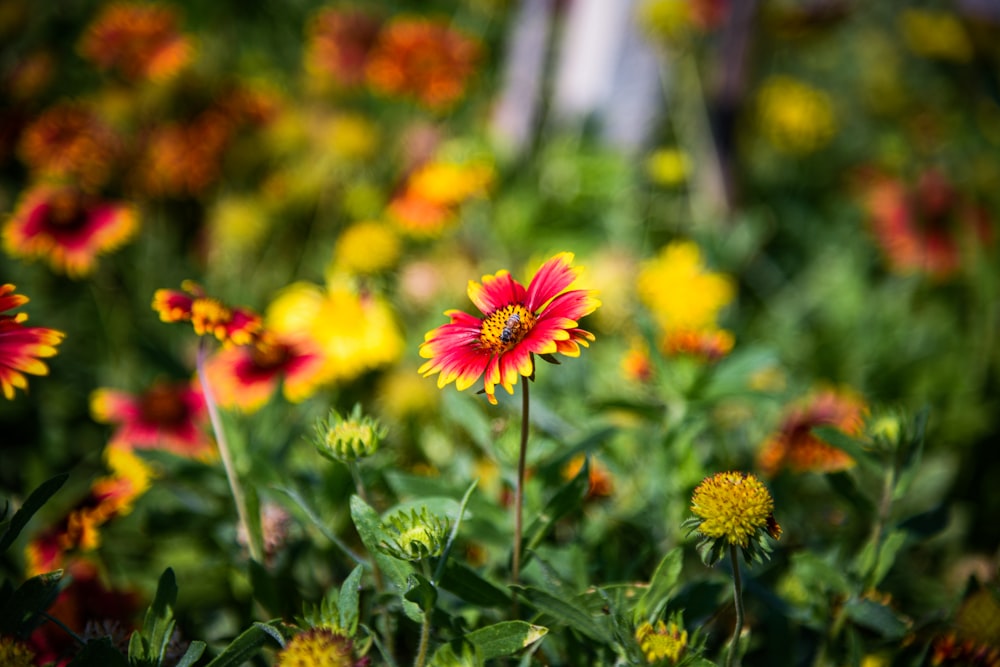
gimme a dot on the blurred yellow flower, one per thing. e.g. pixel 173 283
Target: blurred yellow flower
pixel 935 34
pixel 350 136
pixel 665 19
pixel 668 167
pixel 237 223
pixel 795 117
pixel 403 394
pixel 366 247
pixel 679 290
pixel 355 331
pixel 434 191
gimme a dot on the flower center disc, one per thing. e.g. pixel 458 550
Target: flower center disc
pixel 506 327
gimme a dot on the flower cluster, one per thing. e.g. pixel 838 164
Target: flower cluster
pixel 208 315
pixel 662 641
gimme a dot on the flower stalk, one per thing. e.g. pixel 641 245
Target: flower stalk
pixel 522 457
pixel 738 601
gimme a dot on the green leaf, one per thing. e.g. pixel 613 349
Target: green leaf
pixel 837 438
pixel 421 592
pixel 844 485
pixel 99 653
pixel 565 612
pixel 459 579
pixel 250 642
pixel 454 531
pixel 369 527
pixel 264 590
pixel 32 504
pixel 877 617
pixel 891 545
pixel 655 597
pixel 505 638
pixel 148 646
pixel 20 613
pixel 194 651
pixel 314 518
pixel 348 602
pixel 567 499
pixel 912 454
pixel 927 524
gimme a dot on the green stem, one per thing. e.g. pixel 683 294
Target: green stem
pixel 425 627
pixel 738 600
pixel 519 486
pixel 235 488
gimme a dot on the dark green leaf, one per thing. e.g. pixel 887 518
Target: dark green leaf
pixel 505 638
pixel 32 504
pixel 421 592
pixel 464 582
pixel 250 642
pixel 845 486
pixel 147 647
pixel 655 597
pixel 567 499
pixel 927 524
pixel 564 612
pixel 347 604
pixel 99 653
pixel 877 617
pixel 20 614
pixel 912 454
pixel 264 590
pixel 194 651
pixel 891 545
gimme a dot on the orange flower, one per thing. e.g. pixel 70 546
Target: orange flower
pixel 67 227
pixel 138 40
pixel 601 484
pixel 710 344
pixel 339 41
pixel 21 347
pixel 166 416
pixel 794 446
pixel 424 60
pixel 185 158
pixel 69 141
pixel 247 376
pixel 208 315
pixel 517 324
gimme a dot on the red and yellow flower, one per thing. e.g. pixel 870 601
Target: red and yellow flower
pixel 517 323
pixel 338 43
pixel 70 142
pixel 795 446
pixel 208 315
pixel 167 416
pixel 246 376
pixel 140 41
pixel 21 348
pixel 422 59
pixel 67 227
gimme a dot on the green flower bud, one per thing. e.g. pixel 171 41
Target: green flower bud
pixel 349 438
pixel 414 535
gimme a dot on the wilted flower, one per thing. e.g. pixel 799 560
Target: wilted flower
pixel 422 59
pixel 67 227
pixel 318 647
pixel 733 508
pixel 414 535
pixel 662 642
pixel 795 446
pixel 138 40
pixel 69 142
pixel 517 324
pixel 246 376
pixel 208 315
pixel 795 117
pixel 348 438
pixel 22 348
pixel 167 416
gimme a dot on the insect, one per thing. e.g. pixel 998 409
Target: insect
pixel 510 328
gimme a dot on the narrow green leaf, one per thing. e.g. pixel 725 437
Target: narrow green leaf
pixel 348 602
pixel 421 592
pixel 159 623
pixel 505 638
pixel 565 612
pixel 194 651
pixel 454 531
pixel 249 643
pixel 461 580
pixel 893 542
pixel 912 454
pixel 20 614
pixel 845 486
pixel 855 448
pixel 655 597
pixel 310 514
pixel 566 499
pixel 927 524
pixel 34 502
pixel 265 591
pixel 877 617
pixel 99 653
